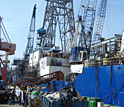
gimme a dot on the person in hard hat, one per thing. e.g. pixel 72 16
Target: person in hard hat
pixel 41 93
pixel 26 99
pixel 29 99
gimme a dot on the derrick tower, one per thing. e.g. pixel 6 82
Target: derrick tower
pixel 58 15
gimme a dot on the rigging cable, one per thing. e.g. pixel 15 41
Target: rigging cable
pixel 122 84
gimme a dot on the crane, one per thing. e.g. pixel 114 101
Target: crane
pixel 6 46
pixel 100 21
pixel 30 43
pixel 85 36
pixel 88 24
pixel 58 13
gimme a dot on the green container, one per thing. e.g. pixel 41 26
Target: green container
pixel 107 105
pixel 94 99
pixel 92 103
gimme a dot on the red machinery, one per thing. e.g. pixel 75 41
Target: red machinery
pixel 7 46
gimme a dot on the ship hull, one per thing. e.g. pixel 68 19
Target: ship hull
pixel 105 82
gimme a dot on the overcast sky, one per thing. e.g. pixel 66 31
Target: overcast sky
pixel 17 14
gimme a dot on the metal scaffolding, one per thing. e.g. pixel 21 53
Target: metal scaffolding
pixel 58 13
pixel 30 43
pixel 88 24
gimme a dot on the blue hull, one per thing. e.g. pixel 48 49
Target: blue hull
pixel 105 82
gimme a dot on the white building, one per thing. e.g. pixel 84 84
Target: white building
pixel 34 58
pixel 52 64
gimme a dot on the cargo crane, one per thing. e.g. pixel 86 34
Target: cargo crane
pixel 30 43
pixel 9 49
pixel 85 37
pixel 58 12
pixel 6 46
pixel 100 21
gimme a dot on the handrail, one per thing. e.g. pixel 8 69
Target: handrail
pixel 45 78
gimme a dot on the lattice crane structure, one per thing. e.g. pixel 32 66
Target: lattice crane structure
pixel 100 21
pixel 88 24
pixel 59 14
pixel 30 43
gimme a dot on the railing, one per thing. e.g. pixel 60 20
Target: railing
pixel 42 79
pixel 105 61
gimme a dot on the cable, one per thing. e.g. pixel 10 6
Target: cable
pixel 6 32
pixel 122 83
pixel 117 94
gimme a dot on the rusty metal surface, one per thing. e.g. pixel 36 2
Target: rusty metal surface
pixel 58 75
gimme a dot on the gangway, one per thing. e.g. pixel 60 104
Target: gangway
pixel 58 75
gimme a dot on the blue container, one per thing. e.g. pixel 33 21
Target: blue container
pixel 45 102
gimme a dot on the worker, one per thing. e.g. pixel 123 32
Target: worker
pixel 12 95
pixel 29 99
pixel 26 99
pixel 41 93
pixel 20 98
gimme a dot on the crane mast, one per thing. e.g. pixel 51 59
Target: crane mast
pixel 30 43
pixel 58 13
pixel 88 24
pixel 46 35
pixel 84 37
pixel 7 46
pixel 100 21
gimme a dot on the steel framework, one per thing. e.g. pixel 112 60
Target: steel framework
pixel 100 21
pixel 88 24
pixel 30 43
pixel 58 13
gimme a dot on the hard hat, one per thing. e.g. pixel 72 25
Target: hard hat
pixel 29 93
pixel 41 92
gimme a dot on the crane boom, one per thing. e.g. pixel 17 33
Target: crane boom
pixel 30 43
pixel 88 24
pixel 6 46
pixel 82 40
pixel 100 21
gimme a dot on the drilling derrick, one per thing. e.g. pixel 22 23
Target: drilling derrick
pixel 46 35
pixel 58 13
pixel 66 24
pixel 30 43
pixel 100 21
